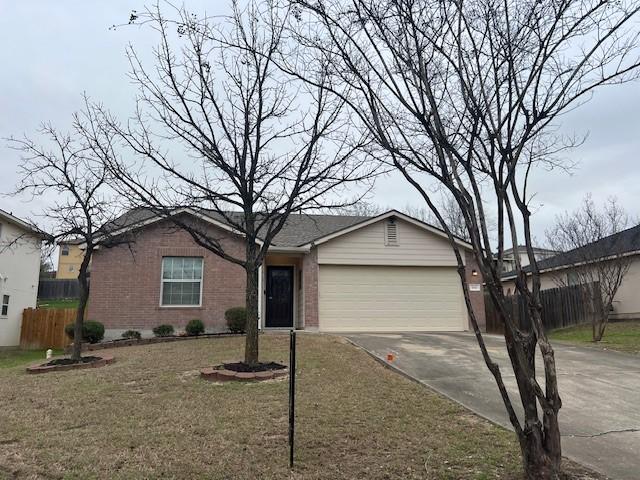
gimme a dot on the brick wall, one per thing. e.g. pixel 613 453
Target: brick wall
pixel 125 284
pixel 310 287
pixel 477 298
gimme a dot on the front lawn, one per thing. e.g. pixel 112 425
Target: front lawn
pixel 149 415
pixel 621 336
pixel 14 357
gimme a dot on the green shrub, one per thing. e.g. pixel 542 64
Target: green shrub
pixel 194 327
pixel 92 332
pixel 236 318
pixel 163 330
pixel 132 335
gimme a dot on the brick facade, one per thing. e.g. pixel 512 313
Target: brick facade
pixel 477 298
pixel 126 282
pixel 310 288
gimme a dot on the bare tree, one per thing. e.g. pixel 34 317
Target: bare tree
pixel 80 199
pixel 468 94
pixel 594 256
pixel 360 208
pixel 220 128
pixel 453 216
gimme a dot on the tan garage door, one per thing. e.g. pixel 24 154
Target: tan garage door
pixel 385 298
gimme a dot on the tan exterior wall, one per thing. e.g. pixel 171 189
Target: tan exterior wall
pixel 125 286
pixel 366 246
pixel 627 300
pixel 69 265
pixel 546 282
pixel 400 295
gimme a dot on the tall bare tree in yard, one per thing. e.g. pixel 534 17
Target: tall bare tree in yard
pixel 79 198
pixel 467 95
pixel 219 126
pixel 594 256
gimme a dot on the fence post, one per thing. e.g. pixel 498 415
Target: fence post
pixel 292 393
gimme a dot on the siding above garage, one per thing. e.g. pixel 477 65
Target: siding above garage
pixel 367 246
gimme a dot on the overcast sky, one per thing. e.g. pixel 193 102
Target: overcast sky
pixel 53 51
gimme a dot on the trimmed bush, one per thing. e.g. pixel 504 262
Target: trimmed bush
pixel 163 330
pixel 194 327
pixel 236 318
pixel 92 332
pixel 131 335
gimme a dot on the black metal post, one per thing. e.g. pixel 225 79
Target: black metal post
pixel 292 393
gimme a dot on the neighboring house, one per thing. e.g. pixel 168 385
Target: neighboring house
pixel 323 272
pixel 20 252
pixel 70 256
pixel 520 251
pixel 627 300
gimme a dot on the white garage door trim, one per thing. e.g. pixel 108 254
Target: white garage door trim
pixel 356 298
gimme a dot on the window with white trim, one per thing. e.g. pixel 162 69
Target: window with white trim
pixel 4 311
pixel 64 250
pixel 181 281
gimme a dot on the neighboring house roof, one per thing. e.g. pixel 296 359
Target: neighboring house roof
pixel 523 248
pixel 8 217
pixel 71 241
pixel 626 242
pixel 300 230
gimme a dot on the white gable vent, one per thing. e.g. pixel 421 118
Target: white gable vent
pixel 391 232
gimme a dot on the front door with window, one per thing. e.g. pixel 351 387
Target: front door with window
pixel 279 297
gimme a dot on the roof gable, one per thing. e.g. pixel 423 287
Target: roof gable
pixel 7 217
pixel 366 221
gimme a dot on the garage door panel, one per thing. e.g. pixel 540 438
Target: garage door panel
pixel 390 298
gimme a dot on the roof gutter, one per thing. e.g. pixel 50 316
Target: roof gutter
pixel 279 249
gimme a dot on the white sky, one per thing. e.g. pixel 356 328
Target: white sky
pixel 52 52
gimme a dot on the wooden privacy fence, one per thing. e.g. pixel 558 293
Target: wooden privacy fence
pixel 54 289
pixel 561 307
pixel 44 327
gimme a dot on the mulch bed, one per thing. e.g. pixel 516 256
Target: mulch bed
pixel 64 364
pixel 245 367
pixel 70 361
pixel 131 342
pixel 229 371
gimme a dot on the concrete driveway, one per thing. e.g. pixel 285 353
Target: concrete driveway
pixel 600 417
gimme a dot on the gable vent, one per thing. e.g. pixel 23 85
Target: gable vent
pixel 391 233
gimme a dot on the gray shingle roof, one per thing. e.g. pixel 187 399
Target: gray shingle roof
pixel 622 242
pixel 298 230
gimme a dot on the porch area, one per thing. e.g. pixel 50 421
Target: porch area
pixel 288 291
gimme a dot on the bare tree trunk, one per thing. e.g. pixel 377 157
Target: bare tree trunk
pixel 251 297
pixel 76 351
pixel 601 323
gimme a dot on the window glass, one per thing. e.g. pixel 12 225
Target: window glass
pixel 4 311
pixel 181 281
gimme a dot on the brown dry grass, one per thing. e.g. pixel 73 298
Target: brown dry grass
pixel 150 416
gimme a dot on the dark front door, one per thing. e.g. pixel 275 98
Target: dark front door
pixel 279 297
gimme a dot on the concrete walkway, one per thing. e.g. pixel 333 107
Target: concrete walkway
pixel 600 390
